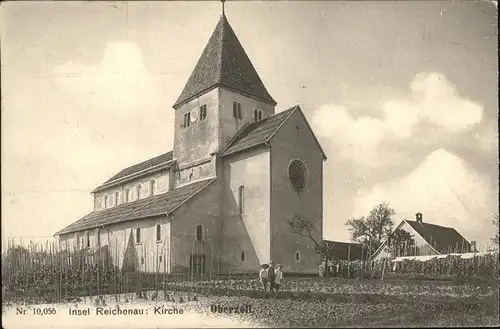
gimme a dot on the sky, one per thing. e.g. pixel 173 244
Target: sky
pixel 401 95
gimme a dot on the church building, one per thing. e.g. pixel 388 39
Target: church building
pixel 217 202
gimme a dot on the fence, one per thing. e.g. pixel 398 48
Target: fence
pixel 51 272
pixel 480 265
pixel 39 272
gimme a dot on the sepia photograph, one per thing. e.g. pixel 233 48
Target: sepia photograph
pixel 192 164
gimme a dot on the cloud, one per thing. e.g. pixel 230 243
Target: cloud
pixel 444 188
pixel 487 138
pixel 120 82
pixel 436 100
pixel 352 136
pixel 433 107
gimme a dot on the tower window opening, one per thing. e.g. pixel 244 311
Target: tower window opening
pixel 203 112
pixel 187 119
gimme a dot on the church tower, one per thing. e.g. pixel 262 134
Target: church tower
pixel 223 93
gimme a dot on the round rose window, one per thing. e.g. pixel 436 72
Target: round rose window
pixel 297 174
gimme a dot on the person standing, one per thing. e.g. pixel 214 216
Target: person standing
pixel 272 275
pixel 279 276
pixel 264 277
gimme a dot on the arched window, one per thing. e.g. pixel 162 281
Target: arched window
pixel 242 256
pixel 138 191
pixel 138 235
pixel 117 198
pixel 152 187
pixel 98 237
pixel 297 256
pixel 199 232
pixel 105 201
pixel 241 198
pixel 158 233
pixel 127 195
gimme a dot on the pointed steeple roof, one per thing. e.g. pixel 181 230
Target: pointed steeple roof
pixel 224 63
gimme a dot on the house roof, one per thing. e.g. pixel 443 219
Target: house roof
pixel 161 204
pixel 166 158
pixel 443 239
pixel 260 132
pixel 224 63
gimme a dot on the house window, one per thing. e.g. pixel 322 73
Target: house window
pixel 105 201
pixel 242 256
pixel 260 114
pixel 203 112
pixel 199 232
pixel 237 110
pixel 87 235
pixel 160 258
pixel 117 198
pixel 77 241
pixel 98 237
pixel 190 176
pixel 297 173
pixel 158 233
pixel 138 190
pixel 187 119
pixel 138 235
pixel 297 256
pixel 241 195
pixel 127 195
pixel 152 187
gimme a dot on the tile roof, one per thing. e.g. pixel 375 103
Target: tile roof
pixel 443 239
pixel 225 63
pixel 256 133
pixel 162 158
pixel 160 204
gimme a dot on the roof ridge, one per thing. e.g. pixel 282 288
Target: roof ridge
pixel 292 110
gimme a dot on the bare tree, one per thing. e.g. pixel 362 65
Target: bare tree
pixel 305 227
pixel 373 229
